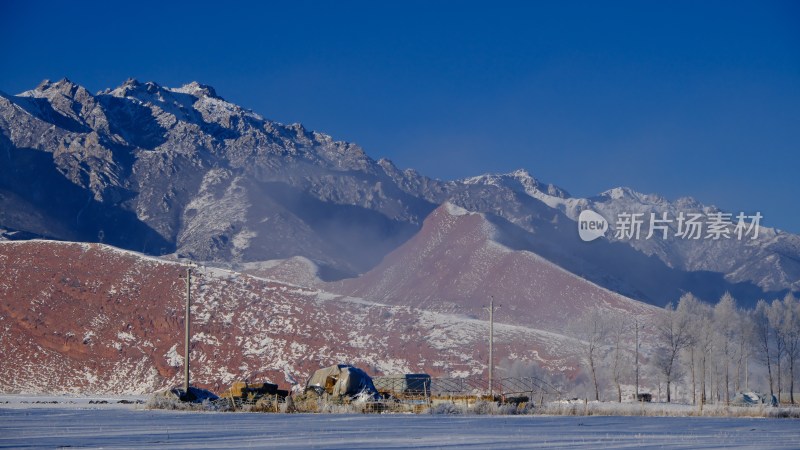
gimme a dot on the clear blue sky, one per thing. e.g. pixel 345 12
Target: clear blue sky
pixel 676 98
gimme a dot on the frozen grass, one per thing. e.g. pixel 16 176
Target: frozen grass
pixel 311 403
pixel 303 403
pixel 663 410
pixel 480 408
pixel 173 404
pixel 578 408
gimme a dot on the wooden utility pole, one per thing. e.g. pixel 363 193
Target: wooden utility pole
pixel 637 360
pixel 187 333
pixel 491 346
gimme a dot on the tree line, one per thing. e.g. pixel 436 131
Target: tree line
pixel 706 352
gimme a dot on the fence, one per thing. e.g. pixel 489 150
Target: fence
pixel 515 389
pixel 414 393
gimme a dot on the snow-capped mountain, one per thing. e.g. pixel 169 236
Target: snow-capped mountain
pixel 162 170
pixel 180 171
pixel 750 267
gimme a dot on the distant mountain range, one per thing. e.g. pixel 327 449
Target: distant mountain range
pixel 311 252
pixel 180 172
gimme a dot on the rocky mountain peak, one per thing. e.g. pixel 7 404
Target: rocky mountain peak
pixel 198 90
pixel 63 87
pixel 620 192
pixel 62 83
pixel 130 82
pixel 136 89
pixel 519 180
pixel 531 183
pixel 627 194
pixel 45 84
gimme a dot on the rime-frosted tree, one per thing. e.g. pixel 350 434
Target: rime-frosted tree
pixel 700 342
pixel 619 328
pixel 775 316
pixel 785 319
pixel 763 340
pixel 673 336
pixel 744 350
pixel 727 325
pixel 693 311
pixel 592 330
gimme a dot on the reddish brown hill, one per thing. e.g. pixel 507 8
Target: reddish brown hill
pixel 456 262
pixel 93 319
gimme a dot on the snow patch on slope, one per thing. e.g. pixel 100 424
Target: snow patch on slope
pixel 455 210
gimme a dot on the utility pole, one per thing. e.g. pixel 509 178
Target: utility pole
pixel 188 338
pixel 491 345
pixel 637 359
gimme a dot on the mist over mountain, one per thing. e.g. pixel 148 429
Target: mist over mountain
pixel 181 172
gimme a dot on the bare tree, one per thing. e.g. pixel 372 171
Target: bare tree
pixel 763 339
pixel 743 352
pixel 726 325
pixel 700 318
pixel 618 327
pixel 674 336
pixel 775 316
pixel 690 357
pixel 691 309
pixel 592 330
pixel 785 319
pixel 793 330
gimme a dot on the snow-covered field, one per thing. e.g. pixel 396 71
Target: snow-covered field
pixel 122 425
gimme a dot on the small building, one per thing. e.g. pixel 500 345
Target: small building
pixel 409 384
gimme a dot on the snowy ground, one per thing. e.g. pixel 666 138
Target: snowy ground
pixel 120 425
